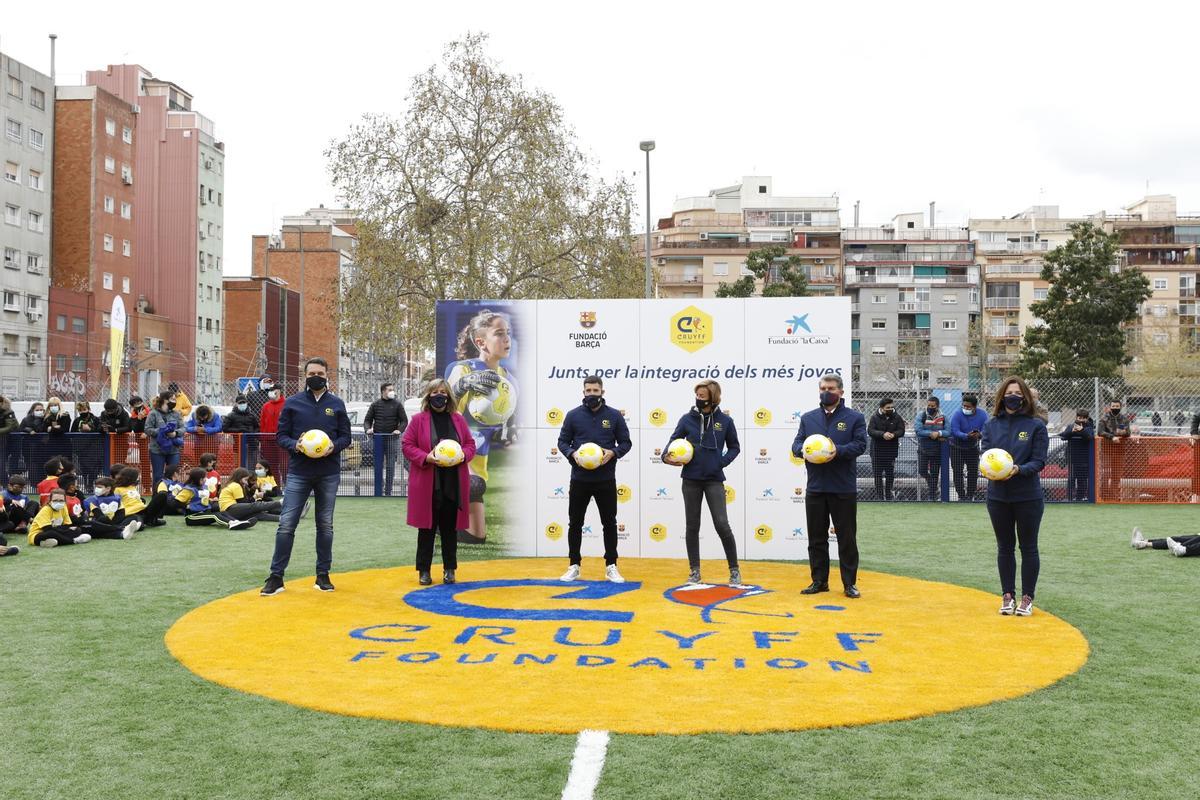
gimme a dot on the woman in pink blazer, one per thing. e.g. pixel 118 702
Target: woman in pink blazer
pixel 438 496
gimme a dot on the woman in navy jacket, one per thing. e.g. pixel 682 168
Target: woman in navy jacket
pixel 1015 503
pixel 715 446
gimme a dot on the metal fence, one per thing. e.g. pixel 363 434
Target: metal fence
pixel 371 467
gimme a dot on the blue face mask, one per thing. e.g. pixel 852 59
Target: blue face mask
pixel 1013 401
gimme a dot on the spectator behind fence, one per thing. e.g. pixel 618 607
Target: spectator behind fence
pixel 164 429
pixel 114 419
pixel 1116 428
pixel 183 403
pixel 138 411
pixel 1180 419
pixel 268 421
pixel 1196 426
pixel 239 419
pixel 1078 435
pixel 966 430
pixel 886 429
pixel 259 397
pixel 931 432
pixel 8 424
pixel 35 420
pixel 85 420
pixel 386 416
pixel 58 421
pixel 8 420
pixel 205 421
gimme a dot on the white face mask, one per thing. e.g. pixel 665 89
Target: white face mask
pixel 53 409
pixel 268 386
pixel 57 505
pixel 101 491
pixel 391 395
pixel 273 394
pixel 262 473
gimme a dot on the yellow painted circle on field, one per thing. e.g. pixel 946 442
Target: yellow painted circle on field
pixel 511 648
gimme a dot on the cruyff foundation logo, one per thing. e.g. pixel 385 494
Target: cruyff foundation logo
pixel 691 329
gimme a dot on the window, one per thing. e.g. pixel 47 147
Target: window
pixel 107 281
pixel 125 281
pixel 879 349
pixel 218 294
pixel 220 199
pixel 110 127
pixel 15 87
pixel 126 211
pixel 105 320
pixel 1160 283
pixel 37 139
pixel 1161 338
pixel 949 350
pixel 60 322
pixel 949 324
pixel 12 258
pixel 879 324
pixel 11 343
pixel 110 165
pixel 210 293
pixel 35 345
pixel 78 364
pixel 1160 311
pixel 199 323
pixel 33 303
pixel 78 325
pixel 12 301
pixel 126 174
pixel 33 263
pixel 12 215
pixel 949 299
pixel 35 222
pixel 1040 294
pixel 12 172
pixel 109 204
pixel 126 135
pixel 218 330
pixel 125 251
pixel 35 180
pixel 13 129
pixel 60 363
pixel 879 299
pixel 37 98
pixel 108 242
pixel 208 324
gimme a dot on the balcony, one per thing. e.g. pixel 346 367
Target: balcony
pixel 1013 269
pixel 912 333
pixel 1012 247
pixel 912 306
pixel 854 332
pixel 910 256
pixel 1002 358
pixel 904 235
pixel 1001 302
pixel 669 278
pixel 1004 332
pixel 854 308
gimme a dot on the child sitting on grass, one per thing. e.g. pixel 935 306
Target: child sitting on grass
pixel 200 504
pixel 104 508
pixel 237 499
pixel 52 525
pixel 265 485
pixel 21 509
pixel 6 526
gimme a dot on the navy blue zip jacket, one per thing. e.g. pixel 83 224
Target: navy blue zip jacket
pixel 302 412
pixel 714 440
pixel 848 430
pixel 1079 442
pixel 605 427
pixel 1027 441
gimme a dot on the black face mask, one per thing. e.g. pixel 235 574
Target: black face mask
pixel 703 406
pixel 1114 411
pixel 593 401
pixel 829 398
pixel 171 406
pixel 931 409
pixel 316 382
pixel 438 402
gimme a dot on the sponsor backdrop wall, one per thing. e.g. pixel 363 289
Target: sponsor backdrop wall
pixel 767 354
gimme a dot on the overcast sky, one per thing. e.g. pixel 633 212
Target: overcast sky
pixel 986 108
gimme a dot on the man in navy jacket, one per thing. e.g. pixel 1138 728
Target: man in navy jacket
pixel 595 422
pixel 314 408
pixel 833 487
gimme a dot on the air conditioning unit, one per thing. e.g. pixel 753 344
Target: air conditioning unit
pixel 703 237
pixel 34 316
pixel 127 180
pixel 662 262
pixel 31 358
pixel 818 261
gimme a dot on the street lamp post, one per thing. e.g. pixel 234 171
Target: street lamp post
pixel 646 147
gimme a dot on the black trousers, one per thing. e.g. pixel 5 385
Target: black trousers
pixel 884 467
pixel 261 511
pixel 1013 522
pixel 578 497
pixel 1190 543
pixel 964 459
pixel 821 508
pixel 444 520
pixel 202 518
pixel 1077 478
pixel 929 466
pixel 60 534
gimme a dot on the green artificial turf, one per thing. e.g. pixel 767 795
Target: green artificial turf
pixel 93 706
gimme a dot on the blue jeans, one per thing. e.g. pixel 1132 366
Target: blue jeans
pixel 298 489
pixel 159 463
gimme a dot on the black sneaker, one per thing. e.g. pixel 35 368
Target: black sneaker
pixel 448 576
pixel 323 583
pixel 273 586
pixel 424 578
pixel 9 551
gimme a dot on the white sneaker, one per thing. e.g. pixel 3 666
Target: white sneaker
pixel 1176 548
pixel 1025 607
pixel 130 530
pixel 1137 541
pixel 139 525
pixel 612 574
pixel 234 524
pixel 572 574
pixel 83 538
pixel 1008 605
pixel 48 543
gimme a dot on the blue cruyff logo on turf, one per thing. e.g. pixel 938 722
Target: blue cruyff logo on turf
pixel 444 600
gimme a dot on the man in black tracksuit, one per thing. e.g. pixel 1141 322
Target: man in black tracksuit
pixel 886 429
pixel 832 486
pixel 386 417
pixel 593 422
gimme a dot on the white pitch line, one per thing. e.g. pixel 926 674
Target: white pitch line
pixel 586 765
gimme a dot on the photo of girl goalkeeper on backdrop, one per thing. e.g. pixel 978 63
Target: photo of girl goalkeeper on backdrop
pixel 483 380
